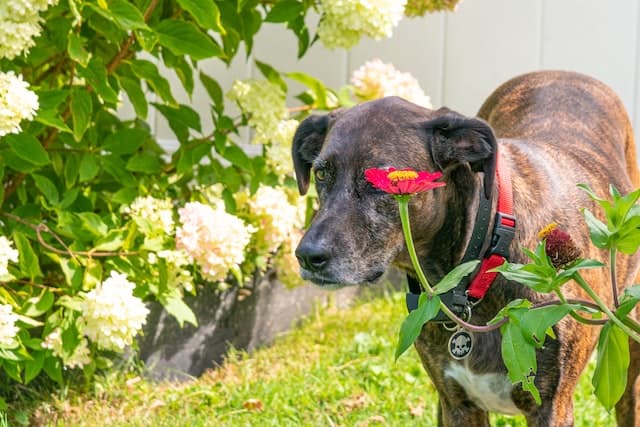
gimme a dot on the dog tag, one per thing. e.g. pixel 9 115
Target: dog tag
pixel 460 344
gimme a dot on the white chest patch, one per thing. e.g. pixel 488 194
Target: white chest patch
pixel 491 392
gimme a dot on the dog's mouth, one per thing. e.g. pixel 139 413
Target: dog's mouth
pixel 329 282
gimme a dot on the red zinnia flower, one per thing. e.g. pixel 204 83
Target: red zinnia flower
pixel 405 181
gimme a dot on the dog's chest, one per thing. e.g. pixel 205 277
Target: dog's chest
pixel 491 392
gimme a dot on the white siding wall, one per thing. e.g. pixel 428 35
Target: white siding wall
pixel 459 58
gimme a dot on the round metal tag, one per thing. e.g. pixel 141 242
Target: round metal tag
pixel 460 344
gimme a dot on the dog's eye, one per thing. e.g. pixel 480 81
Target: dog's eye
pixel 321 175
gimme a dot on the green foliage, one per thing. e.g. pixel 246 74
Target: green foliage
pixel 70 176
pixel 528 326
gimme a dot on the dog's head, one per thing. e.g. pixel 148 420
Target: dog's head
pixel 356 233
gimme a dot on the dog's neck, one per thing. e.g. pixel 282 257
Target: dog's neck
pixel 445 250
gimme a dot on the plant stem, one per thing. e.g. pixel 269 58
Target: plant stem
pixel 579 317
pixel 628 330
pixel 614 280
pixel 403 206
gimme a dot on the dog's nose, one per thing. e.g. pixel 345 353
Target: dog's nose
pixel 312 257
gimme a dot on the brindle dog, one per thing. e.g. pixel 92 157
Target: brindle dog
pixel 556 129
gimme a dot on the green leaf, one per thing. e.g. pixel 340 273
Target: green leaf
pixel 180 120
pixel 519 357
pixel 147 39
pixel 178 309
pixel 536 277
pixel 116 167
pixel 412 325
pixel 536 322
pixel 92 223
pixel 628 301
pixel 52 119
pixel 113 241
pixel 453 278
pixel 184 38
pixel 597 230
pixel 126 141
pixel 12 161
pixel 34 366
pixel 610 377
pixel 28 262
pixel 214 90
pixel 148 71
pixel 96 76
pixel 124 14
pixel 238 157
pixel 284 11
pixel 76 49
pixel 205 12
pixel 145 163
pixel 88 168
pixel 182 68
pixel 318 89
pixel 81 109
pixel 48 188
pixel 53 367
pixel 40 304
pixel 136 96
pixel 28 148
pixel 271 74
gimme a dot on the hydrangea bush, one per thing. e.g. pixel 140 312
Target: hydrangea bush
pixel 97 218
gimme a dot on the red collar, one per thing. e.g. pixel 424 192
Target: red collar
pixel 503 231
pixel 473 288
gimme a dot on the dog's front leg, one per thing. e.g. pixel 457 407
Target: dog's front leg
pixel 463 414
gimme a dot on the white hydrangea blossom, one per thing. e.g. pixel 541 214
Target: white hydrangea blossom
pixel 279 151
pixel 111 314
pixel 81 355
pixel 215 239
pixel 153 216
pixel 17 102
pixel 265 104
pixel 344 22
pixel 376 79
pixel 20 25
pixel 274 215
pixel 7 253
pixel 8 328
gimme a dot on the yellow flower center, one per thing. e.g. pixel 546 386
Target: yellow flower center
pixel 546 230
pixel 402 175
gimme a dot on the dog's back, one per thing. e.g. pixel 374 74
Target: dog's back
pixel 563 108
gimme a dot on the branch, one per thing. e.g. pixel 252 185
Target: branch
pixel 42 227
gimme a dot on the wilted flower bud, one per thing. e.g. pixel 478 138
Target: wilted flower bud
pixel 560 247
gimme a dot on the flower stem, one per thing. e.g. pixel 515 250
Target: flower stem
pixel 584 285
pixel 403 206
pixel 614 280
pixel 577 316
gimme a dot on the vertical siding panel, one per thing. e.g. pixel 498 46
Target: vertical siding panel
pixel 488 42
pixel 594 38
pixel 416 47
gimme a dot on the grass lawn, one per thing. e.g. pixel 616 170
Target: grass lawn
pixel 336 369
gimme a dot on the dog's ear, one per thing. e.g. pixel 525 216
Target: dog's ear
pixel 454 138
pixel 307 143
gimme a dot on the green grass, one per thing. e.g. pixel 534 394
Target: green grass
pixel 335 369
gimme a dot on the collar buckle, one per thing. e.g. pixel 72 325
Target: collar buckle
pixel 503 232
